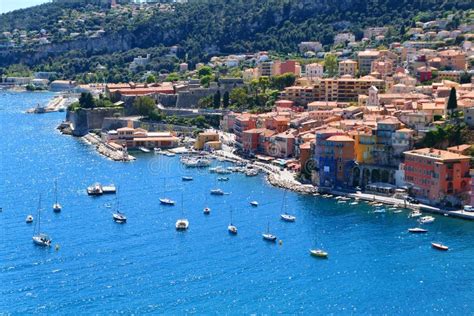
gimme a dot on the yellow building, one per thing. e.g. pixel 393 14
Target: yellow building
pixel 364 145
pixel 207 140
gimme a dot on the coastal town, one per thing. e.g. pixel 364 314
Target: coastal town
pixel 242 157
pixel 394 120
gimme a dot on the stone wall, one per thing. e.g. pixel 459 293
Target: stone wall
pixel 84 120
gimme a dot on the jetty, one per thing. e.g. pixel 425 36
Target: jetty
pixel 57 104
pixel 111 151
pixel 403 203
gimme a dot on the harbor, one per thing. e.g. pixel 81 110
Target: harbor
pixel 363 241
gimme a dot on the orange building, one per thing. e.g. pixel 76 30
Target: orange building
pixel 453 59
pixel 437 175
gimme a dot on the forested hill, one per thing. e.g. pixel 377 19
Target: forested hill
pixel 234 26
pixel 205 27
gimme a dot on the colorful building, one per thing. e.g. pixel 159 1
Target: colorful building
pixel 207 140
pixel 334 160
pixel 437 176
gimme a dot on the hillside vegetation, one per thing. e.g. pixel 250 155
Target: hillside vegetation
pixel 205 28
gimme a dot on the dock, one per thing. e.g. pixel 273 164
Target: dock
pixel 400 202
pixel 107 150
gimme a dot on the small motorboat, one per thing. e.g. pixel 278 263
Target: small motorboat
pixel 232 229
pixel 287 217
pixel 397 211
pixel 42 240
pixel 119 217
pixel 187 178
pixel 354 203
pixel 157 150
pixel 29 219
pixel 217 192
pixel 426 219
pixel 167 201
pixel 182 224
pixel 254 203
pixel 417 230
pixel 207 210
pixel 223 179
pixel 439 246
pixel 144 149
pixel 414 214
pixel 379 210
pixel 170 154
pixel 341 202
pixel 318 253
pixel 95 189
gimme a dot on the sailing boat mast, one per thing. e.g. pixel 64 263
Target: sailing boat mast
pixel 56 191
pixel 39 215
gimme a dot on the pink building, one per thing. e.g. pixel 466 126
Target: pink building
pixel 438 175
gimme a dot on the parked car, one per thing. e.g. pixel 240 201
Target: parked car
pixel 412 200
pixel 468 208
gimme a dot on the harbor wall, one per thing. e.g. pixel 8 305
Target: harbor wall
pixel 85 120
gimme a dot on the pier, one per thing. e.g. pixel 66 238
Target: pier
pixel 107 150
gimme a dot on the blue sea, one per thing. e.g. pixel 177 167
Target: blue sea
pixel 146 266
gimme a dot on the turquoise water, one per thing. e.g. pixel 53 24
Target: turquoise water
pixel 145 266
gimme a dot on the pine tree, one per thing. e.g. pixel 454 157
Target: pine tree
pixel 452 102
pixel 225 99
pixel 217 100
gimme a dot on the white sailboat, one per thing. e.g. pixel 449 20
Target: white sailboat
pixel 117 216
pixel 232 228
pixel 182 223
pixel 39 238
pixel 56 206
pixel 166 201
pixel 285 216
pixel 267 236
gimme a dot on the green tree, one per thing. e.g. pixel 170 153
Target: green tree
pixel 204 71
pixel 144 106
pixel 206 102
pixel 172 77
pixel 225 100
pixel 330 64
pixel 200 121
pixel 282 81
pixel 238 97
pixel 217 100
pixel 86 100
pixel 206 80
pixel 151 79
pixel 452 102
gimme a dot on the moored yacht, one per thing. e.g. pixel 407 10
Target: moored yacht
pixel 39 238
pixel 232 228
pixel 287 217
pixel 267 236
pixel 119 217
pixel 182 223
pixel 29 219
pixel 56 206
